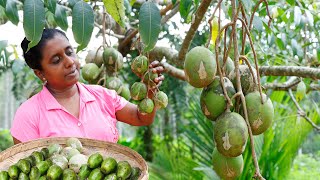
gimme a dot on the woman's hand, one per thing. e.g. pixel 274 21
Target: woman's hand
pixel 157 68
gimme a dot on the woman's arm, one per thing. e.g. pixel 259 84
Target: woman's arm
pixel 129 114
pixel 15 140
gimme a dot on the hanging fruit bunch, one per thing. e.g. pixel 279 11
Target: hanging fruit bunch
pixel 101 68
pixel 140 91
pixel 218 75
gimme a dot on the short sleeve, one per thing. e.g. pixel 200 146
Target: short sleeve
pixel 25 124
pixel 118 101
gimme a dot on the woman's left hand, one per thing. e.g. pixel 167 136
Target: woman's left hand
pixel 157 68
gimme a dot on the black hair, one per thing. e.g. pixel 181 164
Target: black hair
pixel 33 57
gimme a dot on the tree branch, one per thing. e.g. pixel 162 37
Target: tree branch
pixel 301 113
pixel 305 72
pixel 171 56
pixel 193 28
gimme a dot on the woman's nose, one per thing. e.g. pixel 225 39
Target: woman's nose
pixel 69 61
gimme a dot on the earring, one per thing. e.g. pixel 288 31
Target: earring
pixel 44 81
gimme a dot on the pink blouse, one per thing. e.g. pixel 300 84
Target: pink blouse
pixel 42 116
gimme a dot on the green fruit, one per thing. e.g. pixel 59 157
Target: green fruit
pixel 68 152
pixel 74 143
pixel 95 57
pixel 43 167
pixel 31 160
pixel 114 83
pixel 146 106
pixel 135 173
pixel 247 80
pixel 301 91
pixel 125 92
pixel 90 72
pixel 69 174
pixel 54 172
pixel 212 100
pixel 4 175
pixel 24 165
pixel 140 65
pixel 54 149
pixel 59 160
pixel 77 161
pixel 138 91
pixel 34 173
pixel 123 170
pixel 38 156
pixel 260 115
pixel 13 172
pixel 113 59
pixel 227 167
pixel 200 67
pixel 230 134
pixel 95 160
pixel 23 176
pixel 228 66
pixel 112 176
pixel 160 100
pixel 43 177
pixel 45 152
pixel 108 165
pixel 148 79
pixel 84 172
pixel 96 174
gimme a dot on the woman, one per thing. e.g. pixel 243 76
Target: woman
pixel 66 107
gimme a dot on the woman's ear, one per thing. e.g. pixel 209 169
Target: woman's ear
pixel 39 74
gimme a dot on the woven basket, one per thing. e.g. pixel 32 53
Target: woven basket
pixel 121 153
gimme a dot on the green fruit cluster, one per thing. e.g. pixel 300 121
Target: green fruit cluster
pixel 101 67
pixel 56 162
pixel 139 90
pixel 230 128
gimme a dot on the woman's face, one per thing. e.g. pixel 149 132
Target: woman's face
pixel 60 66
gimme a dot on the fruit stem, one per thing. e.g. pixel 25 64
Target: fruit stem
pixel 219 68
pixel 254 56
pixel 236 62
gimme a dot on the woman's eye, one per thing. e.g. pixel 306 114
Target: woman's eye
pixel 56 60
pixel 69 52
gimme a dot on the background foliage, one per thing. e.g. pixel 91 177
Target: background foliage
pixel 179 143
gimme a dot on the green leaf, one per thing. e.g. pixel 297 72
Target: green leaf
pixel 309 18
pixel 51 5
pixel 149 24
pixel 291 2
pixel 116 9
pixel 132 2
pixel 297 15
pixel 82 23
pixel 185 6
pixel 257 23
pixel 3 44
pixel 72 3
pixel 3 3
pixel 318 54
pixel 60 17
pixel 247 4
pixel 301 91
pixel 174 2
pixel 280 44
pixel 12 11
pixel 33 21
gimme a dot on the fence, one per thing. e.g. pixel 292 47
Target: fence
pixel 8 104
